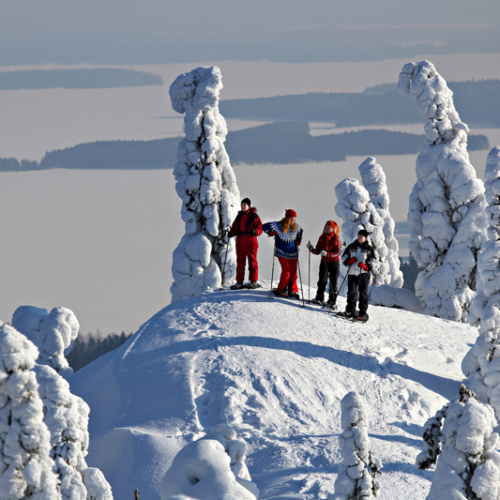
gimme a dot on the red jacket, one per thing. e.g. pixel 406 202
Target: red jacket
pixel 332 245
pixel 245 222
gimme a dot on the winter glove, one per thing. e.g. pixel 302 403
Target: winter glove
pixel 323 253
pixel 363 266
pixel 298 242
pixel 272 233
pixel 351 261
pixel 309 245
pixel 253 232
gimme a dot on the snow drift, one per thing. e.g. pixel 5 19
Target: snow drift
pixel 276 373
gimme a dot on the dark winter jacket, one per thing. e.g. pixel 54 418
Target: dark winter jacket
pixel 286 243
pixel 363 252
pixel 331 244
pixel 245 222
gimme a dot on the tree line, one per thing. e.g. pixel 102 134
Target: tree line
pixel 477 102
pixel 278 143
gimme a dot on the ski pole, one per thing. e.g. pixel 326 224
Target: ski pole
pixel 345 277
pixel 300 278
pixel 272 274
pixel 309 277
pixel 224 265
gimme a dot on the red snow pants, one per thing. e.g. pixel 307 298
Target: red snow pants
pixel 288 274
pixel 246 247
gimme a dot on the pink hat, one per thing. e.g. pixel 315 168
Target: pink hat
pixel 290 213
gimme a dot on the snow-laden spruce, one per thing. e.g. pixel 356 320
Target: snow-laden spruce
pixel 446 214
pixel 374 180
pixel 481 364
pixel 432 444
pixel 206 184
pixel 67 418
pixel 468 466
pixel 357 475
pixel 53 333
pixel 26 469
pixel 210 469
pixel 356 210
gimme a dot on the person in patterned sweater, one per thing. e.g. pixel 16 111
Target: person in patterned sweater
pixel 287 238
pixel 247 227
pixel 329 247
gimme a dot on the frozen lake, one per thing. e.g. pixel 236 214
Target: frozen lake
pixel 101 242
pixel 36 121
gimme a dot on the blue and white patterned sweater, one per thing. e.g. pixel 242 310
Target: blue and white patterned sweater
pixel 286 243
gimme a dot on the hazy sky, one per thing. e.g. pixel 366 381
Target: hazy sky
pixel 124 31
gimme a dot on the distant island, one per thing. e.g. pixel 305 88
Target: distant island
pixel 278 143
pixel 91 78
pixel 477 102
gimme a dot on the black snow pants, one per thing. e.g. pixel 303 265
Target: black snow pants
pixel 328 270
pixel 357 284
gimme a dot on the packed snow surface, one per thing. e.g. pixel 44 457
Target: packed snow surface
pixel 276 373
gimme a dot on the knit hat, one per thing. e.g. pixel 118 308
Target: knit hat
pixel 247 201
pixel 363 232
pixel 290 213
pixel 333 225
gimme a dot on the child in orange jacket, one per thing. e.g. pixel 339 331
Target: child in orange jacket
pixel 329 247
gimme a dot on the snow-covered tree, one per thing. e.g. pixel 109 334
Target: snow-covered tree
pixel 357 475
pixel 26 469
pixel 357 212
pixel 211 468
pixel 374 179
pixel 206 183
pixel 53 333
pixel 481 364
pixel 431 436
pixel 67 418
pixel 447 203
pixel 468 466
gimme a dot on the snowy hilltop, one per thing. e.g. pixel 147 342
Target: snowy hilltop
pixel 231 385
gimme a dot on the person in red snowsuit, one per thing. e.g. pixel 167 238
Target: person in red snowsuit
pixel 329 247
pixel 247 227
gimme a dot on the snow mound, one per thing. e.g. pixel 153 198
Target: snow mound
pixel 53 333
pixel 276 373
pixel 388 296
pixel 211 468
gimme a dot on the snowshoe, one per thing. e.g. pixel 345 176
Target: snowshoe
pixel 253 286
pixel 345 314
pixel 361 317
pixel 283 295
pixel 316 302
pixel 331 305
pixel 294 295
pixel 237 286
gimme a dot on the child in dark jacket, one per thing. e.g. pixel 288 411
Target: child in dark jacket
pixel 330 248
pixel 360 258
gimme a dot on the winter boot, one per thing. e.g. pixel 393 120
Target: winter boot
pixel 283 295
pixel 345 314
pixel 253 286
pixel 237 286
pixel 362 317
pixel 317 301
pixel 332 304
pixel 294 295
